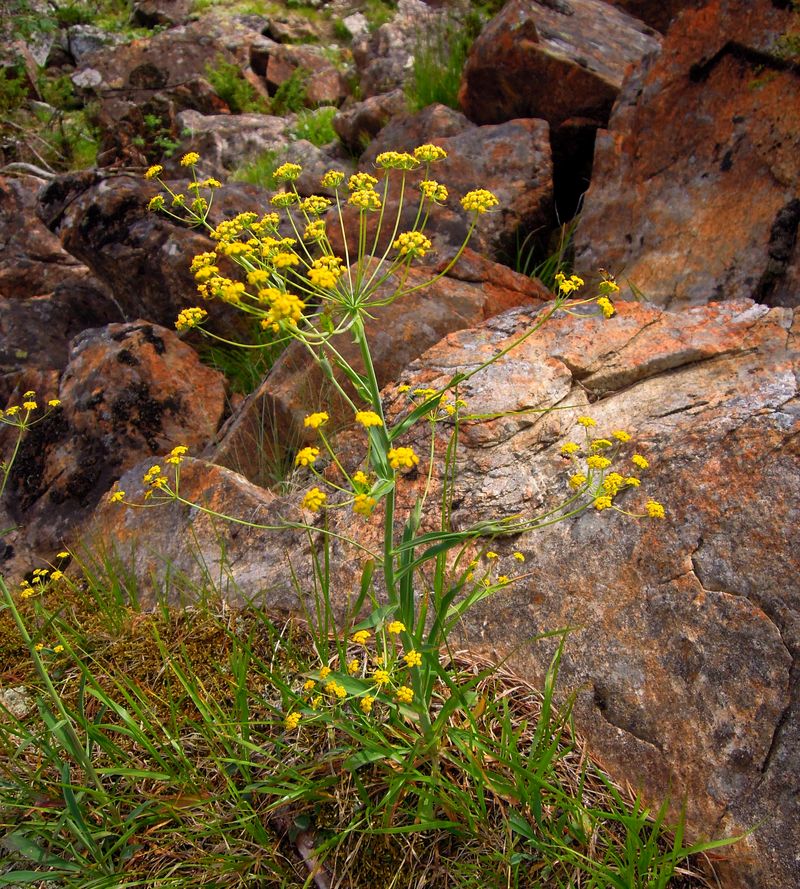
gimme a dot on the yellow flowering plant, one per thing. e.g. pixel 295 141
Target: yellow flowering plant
pixel 280 268
pixel 22 417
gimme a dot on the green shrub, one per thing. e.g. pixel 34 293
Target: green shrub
pixel 439 59
pixel 59 92
pixel 340 31
pixel 261 171
pixel 292 94
pixel 379 12
pixel 13 90
pixel 316 126
pixel 231 86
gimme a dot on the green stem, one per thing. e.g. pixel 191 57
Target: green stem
pixel 9 465
pixel 371 379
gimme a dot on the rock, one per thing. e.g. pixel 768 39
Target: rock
pixel 226 142
pixel 685 661
pixel 385 58
pixel 17 700
pixel 667 209
pixel 658 14
pixel 151 13
pixel 129 391
pixel 357 24
pixel 122 77
pixel 322 83
pixel 511 159
pixel 683 657
pixel 571 56
pixel 80 41
pixel 216 551
pixel 33 20
pixel 46 295
pixel 357 123
pixel 292 27
pixel 141 256
pixel 476 289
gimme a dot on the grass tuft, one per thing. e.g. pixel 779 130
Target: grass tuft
pixel 153 752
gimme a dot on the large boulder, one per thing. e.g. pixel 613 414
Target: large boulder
pixel 322 82
pixel 152 13
pixel 46 294
pixel 686 632
pixel 513 160
pixel 684 656
pixel 357 123
pixel 695 187
pixel 562 61
pixel 128 392
pixel 553 60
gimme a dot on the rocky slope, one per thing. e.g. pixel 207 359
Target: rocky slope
pixel 678 122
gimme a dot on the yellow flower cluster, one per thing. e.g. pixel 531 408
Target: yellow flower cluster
pixel 360 181
pixel 190 159
pixel 479 201
pixel 606 307
pixel 314 421
pixel 368 418
pixel 396 160
pixel 332 179
pixel 363 505
pixel 429 154
pixel 365 199
pixel 176 455
pixel 568 285
pixel 412 244
pixel 433 190
pixel 154 477
pixel 306 456
pixel 404 694
pixel 337 689
pixel 605 488
pixel 325 272
pixel 284 199
pixel 315 205
pixel 314 500
pixel 314 231
pixel 287 172
pixel 402 458
pixel 284 307
pixel 413 658
pixel 189 318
